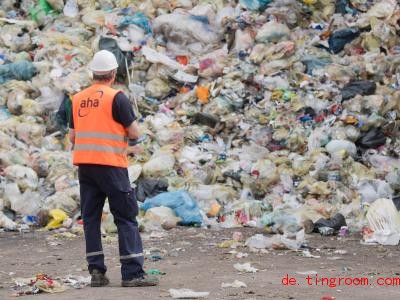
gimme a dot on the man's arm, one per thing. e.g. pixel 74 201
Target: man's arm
pixel 133 131
pixel 72 136
pixel 71 125
pixel 123 114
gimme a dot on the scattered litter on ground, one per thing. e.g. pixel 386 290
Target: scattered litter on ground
pixel 245 268
pixel 187 294
pixel 235 284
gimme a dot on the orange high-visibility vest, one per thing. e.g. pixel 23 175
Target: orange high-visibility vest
pixel 98 138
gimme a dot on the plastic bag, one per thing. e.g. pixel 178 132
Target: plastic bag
pixel 393 178
pixel 61 200
pixel 272 32
pixel 25 177
pixel 16 40
pixel 336 222
pixel 160 215
pixel 207 194
pixel 57 5
pixel 187 294
pixel 373 138
pixel 57 217
pixel 384 220
pixel 186 34
pixel 354 88
pixel 266 171
pixel 219 106
pixel 42 7
pixel 255 4
pixel 212 64
pixel 6 222
pixel 31 133
pixel 26 204
pixel 259 241
pixel 94 18
pixel 181 202
pixel 336 146
pixel 157 57
pixel 312 63
pixel 71 9
pixel 138 19
pixel 243 40
pixel 382 9
pixel 370 190
pixel 159 121
pixel 340 38
pixel 160 165
pixel 294 244
pixel 21 70
pixel 146 188
pixel 157 88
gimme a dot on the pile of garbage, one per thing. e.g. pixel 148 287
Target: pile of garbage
pixel 267 113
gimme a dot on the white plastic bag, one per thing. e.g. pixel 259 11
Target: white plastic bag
pixel 187 294
pixel 160 165
pixel 71 9
pixel 259 241
pixel 24 177
pixel 335 146
pixel 245 268
pixel 6 222
pixel 370 190
pixel 384 220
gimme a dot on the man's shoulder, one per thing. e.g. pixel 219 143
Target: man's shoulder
pixel 120 96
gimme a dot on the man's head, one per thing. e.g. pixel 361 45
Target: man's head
pixel 104 66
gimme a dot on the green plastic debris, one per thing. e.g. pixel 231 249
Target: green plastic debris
pixel 155 272
pixel 43 7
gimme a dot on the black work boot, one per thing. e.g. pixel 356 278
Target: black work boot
pixel 98 279
pixel 140 281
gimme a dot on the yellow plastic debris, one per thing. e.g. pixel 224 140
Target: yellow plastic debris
pixel 57 217
pixel 310 2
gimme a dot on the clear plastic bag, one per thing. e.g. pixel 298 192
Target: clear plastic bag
pixel 161 164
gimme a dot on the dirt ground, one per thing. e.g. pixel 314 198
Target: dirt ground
pixel 192 260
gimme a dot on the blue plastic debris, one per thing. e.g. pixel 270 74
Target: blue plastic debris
pixel 181 202
pixel 139 19
pixel 255 4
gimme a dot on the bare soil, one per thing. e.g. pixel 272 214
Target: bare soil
pixel 192 260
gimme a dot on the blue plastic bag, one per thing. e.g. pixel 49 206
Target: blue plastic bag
pixel 138 19
pixel 181 202
pixel 21 70
pixel 255 4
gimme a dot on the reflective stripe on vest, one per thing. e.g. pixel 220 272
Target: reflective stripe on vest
pixel 101 135
pixel 99 148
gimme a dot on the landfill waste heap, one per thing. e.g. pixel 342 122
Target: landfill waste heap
pixel 258 113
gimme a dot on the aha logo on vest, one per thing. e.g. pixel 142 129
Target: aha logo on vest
pixel 92 102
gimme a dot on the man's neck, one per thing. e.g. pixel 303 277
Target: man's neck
pixel 107 83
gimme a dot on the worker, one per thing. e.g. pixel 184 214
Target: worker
pixel 101 122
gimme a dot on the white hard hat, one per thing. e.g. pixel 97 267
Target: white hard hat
pixel 103 62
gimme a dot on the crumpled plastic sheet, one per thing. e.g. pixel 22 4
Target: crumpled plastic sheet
pixel 181 202
pixel 23 70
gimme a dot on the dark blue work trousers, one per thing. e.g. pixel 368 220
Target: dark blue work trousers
pixel 96 184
